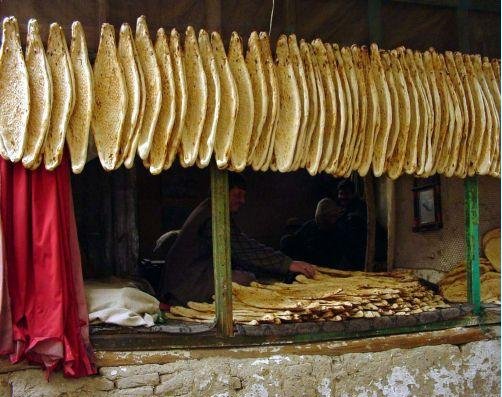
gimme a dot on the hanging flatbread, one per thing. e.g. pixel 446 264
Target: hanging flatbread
pixel 496 70
pixel 301 79
pixel 197 101
pixel 153 86
pixel 332 130
pixel 110 100
pixel 288 125
pixel 167 112
pixel 63 99
pixel 373 120
pixel 77 136
pixel 397 160
pixel 306 56
pixel 363 105
pixel 40 84
pixel 265 143
pixel 213 100
pixel 128 58
pixel 181 97
pixel 255 63
pixel 14 93
pixel 245 113
pixel 229 104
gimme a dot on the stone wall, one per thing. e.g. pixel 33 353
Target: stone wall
pixel 472 369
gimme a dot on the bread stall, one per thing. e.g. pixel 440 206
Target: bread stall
pixel 285 101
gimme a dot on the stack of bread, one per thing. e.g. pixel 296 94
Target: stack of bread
pixel 332 295
pixel 314 105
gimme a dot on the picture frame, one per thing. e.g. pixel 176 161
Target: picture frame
pixel 427 214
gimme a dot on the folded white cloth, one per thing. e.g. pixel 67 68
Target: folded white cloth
pixel 114 303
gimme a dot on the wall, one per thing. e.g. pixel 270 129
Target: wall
pixel 472 369
pixel 443 248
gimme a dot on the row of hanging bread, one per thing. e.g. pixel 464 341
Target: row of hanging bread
pixel 315 106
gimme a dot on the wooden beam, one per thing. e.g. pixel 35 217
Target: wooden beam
pixel 375 21
pixel 290 16
pixel 474 5
pixel 369 195
pixel 221 251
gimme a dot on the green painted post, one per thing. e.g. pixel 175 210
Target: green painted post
pixel 221 251
pixel 471 203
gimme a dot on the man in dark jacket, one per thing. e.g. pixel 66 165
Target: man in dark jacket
pixel 188 272
pixel 337 236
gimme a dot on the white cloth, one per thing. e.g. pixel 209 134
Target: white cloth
pixel 117 303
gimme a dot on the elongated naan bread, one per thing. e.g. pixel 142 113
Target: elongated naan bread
pixel 197 100
pixel 245 113
pixel 153 85
pixel 77 136
pixel 363 105
pixel 128 58
pixel 40 83
pixel 63 100
pixel 229 104
pixel 208 136
pixel 110 100
pixel 167 112
pixel 290 109
pixel 14 93
pixel 180 86
pixel 255 63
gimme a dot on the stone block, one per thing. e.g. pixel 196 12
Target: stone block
pixel 143 391
pixel 114 373
pixel 138 380
pixel 175 384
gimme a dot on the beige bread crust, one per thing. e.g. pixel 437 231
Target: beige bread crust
pixel 301 80
pixel 167 112
pixel 317 144
pixel 40 84
pixel 306 57
pixel 153 86
pixel 382 133
pixel 373 120
pixel 128 58
pixel 207 138
pixel 14 93
pixel 363 105
pixel 63 96
pixel 197 101
pixel 180 85
pixel 110 100
pixel 77 136
pixel 330 100
pixel 265 144
pixel 396 161
pixel 229 104
pixel 256 64
pixel 245 113
pixel 288 125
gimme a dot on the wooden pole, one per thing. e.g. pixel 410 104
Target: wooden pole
pixel 391 222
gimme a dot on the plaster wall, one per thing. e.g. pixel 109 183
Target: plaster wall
pixel 472 369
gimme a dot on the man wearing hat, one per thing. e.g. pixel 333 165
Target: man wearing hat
pixel 188 270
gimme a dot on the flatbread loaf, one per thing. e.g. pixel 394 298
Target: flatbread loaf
pixel 110 100
pixel 197 101
pixel 40 83
pixel 363 106
pixel 77 136
pixel 229 104
pixel 63 100
pixel 153 85
pixel 213 100
pixel 128 58
pixel 181 97
pixel 245 113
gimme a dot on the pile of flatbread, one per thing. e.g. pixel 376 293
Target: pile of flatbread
pixel 453 285
pixel 314 105
pixel 332 295
pixel 491 247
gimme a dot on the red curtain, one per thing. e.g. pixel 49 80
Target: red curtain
pixel 43 269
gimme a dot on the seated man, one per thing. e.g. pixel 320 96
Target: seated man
pixel 336 237
pixel 188 271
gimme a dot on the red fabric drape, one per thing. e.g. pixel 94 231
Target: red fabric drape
pixel 49 313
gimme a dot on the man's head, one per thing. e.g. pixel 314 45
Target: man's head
pixel 346 192
pixel 327 213
pixel 236 191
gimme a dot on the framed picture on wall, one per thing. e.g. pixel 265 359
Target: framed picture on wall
pixel 427 204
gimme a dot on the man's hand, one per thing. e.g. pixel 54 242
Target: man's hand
pixel 302 267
